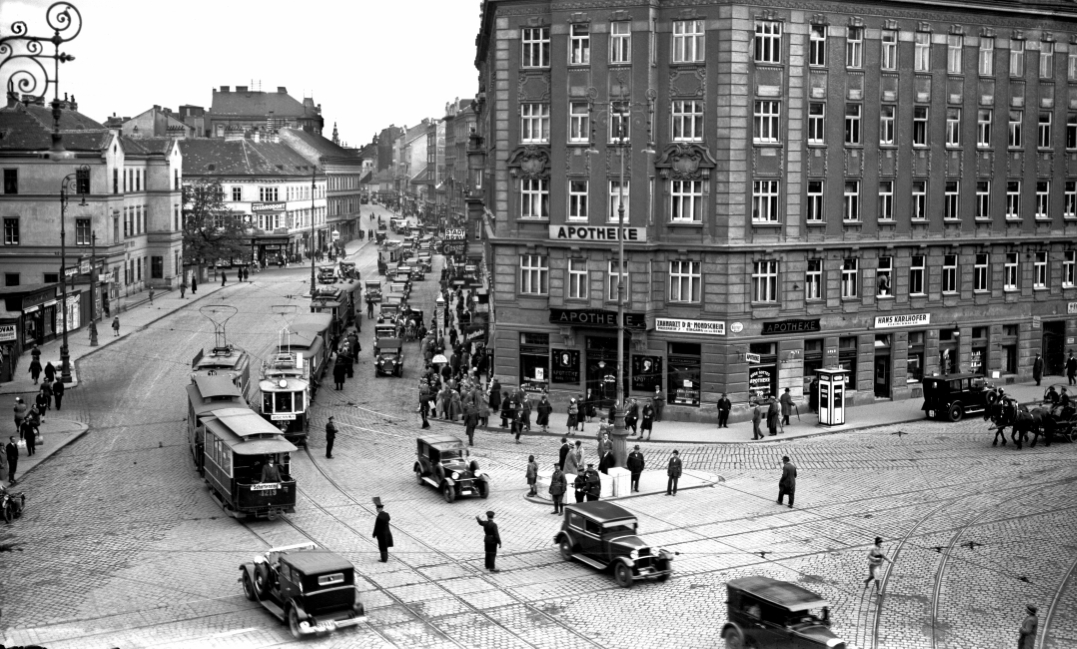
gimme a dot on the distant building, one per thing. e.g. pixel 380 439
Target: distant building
pixel 246 111
pixel 343 173
pixel 155 122
pixel 459 123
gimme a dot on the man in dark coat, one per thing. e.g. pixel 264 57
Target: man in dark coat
pixel 340 371
pixel 1071 368
pixel 579 486
pixel 757 418
pixel 12 452
pixel 1037 369
pixel 58 393
pixel 565 448
pixel 659 403
pixel 594 483
pixel 491 541
pixel 772 416
pixel 788 482
pixel 635 465
pixel 787 406
pixel 382 531
pixel 724 406
pixel 1026 638
pixel 558 487
pixel 330 437
pixel 673 473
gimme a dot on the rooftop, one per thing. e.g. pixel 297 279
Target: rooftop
pixel 213 157
pixel 28 127
pixel 244 102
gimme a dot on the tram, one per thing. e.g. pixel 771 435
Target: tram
pixel 232 446
pixel 287 392
pixel 223 359
pixel 315 335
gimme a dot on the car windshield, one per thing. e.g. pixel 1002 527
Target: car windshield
pixel 451 454
pixel 807 618
pixel 619 527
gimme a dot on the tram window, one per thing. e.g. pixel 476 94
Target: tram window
pixel 282 402
pixel 226 463
pixel 299 402
pixel 267 402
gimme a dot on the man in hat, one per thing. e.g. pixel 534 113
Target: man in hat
pixel 330 437
pixel 635 465
pixel 270 472
pixel 673 473
pixel 1037 369
pixel 12 452
pixel 787 484
pixel 724 406
pixel 1071 368
pixel 491 541
pixel 1027 637
pixel 382 531
pixel 594 483
pixel 558 487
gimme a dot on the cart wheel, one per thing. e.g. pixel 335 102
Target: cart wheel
pixel 248 587
pixel 293 623
pixel 733 639
pixel 623 575
pixel 955 413
pixel 566 550
pixel 448 493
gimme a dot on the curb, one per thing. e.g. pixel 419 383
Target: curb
pixel 54 449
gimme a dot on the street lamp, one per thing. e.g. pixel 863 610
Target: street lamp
pixel 81 178
pixel 93 287
pixel 313 186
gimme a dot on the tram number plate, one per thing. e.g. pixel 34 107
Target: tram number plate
pixel 266 486
pixel 282 417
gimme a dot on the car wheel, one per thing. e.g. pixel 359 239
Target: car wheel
pixel 293 623
pixel 448 493
pixel 955 413
pixel 566 550
pixel 483 488
pixel 248 587
pixel 261 580
pixel 419 477
pixel 733 639
pixel 7 513
pixel 623 575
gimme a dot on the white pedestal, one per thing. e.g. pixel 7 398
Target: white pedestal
pixel 619 481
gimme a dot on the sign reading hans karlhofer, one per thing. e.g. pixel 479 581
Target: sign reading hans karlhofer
pixel 595 233
pixel 677 326
pixel 908 320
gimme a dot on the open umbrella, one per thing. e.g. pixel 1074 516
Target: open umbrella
pixel 440 358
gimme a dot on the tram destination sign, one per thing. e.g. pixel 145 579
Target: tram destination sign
pixel 596 233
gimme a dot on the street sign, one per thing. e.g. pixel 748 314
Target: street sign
pixel 751 358
pixel 84 267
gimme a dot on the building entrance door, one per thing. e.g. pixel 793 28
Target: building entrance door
pixel 1054 347
pixel 882 376
pixel 601 379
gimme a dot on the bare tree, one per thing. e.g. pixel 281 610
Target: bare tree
pixel 211 231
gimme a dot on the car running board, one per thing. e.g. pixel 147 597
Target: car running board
pixel 432 482
pixel 588 560
pixel 273 608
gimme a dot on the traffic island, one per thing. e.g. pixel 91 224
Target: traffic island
pixel 617 484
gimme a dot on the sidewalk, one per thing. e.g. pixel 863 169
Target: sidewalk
pixel 650 483
pixel 56 433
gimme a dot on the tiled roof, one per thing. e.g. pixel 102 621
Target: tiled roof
pixel 212 157
pixel 29 128
pixel 146 145
pixel 258 103
pixel 318 143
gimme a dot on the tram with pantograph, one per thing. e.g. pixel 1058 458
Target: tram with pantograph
pixel 286 393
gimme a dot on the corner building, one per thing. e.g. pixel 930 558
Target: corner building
pixel 889 187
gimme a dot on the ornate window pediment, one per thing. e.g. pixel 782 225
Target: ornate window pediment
pixel 530 162
pixel 684 161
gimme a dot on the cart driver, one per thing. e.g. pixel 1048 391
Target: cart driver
pixel 270 472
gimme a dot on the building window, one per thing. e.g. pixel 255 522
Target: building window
pixel 852 124
pixel 813 280
pixel 1043 132
pixel 980 273
pixel 11 181
pixel 953 126
pixel 157 267
pixel 1013 199
pixel 765 201
pixel 919 200
pixel 886 200
pixel 684 281
pixel 615 201
pixel 883 277
pixel 768 42
pixel 115 181
pixel 237 194
pixel 1071 131
pixel 987 56
pixel 950 202
pixel 983 127
pixel 1010 272
pixel 1043 199
pixel 816 115
pixel 1069 262
pixel 611 280
pixel 815 201
pixel 1016 117
pixel 534 198
pixel 534 275
pixel 577 279
pixel 854 47
pixel 983 199
pixel 621 42
pixel 1017 58
pixel 268 194
pixel 82 232
pixel 886 124
pixel 686 201
pixel 817 46
pixel 767 120
pixel 851 201
pixel 919 126
pixel 1039 269
pixel 579 52
pixel 11 231
pixel 1071 65
pixel 620 122
pixel 688 43
pixel 1047 60
pixel 916 275
pixel 579 123
pixel 535 42
pixel 914 365
pixel 1069 202
pixel 954 47
pixel 850 278
pixel 922 52
pixel 765 281
pixel 577 200
pixel 889 53
pixel 688 121
pixel 949 273
pixel 534 123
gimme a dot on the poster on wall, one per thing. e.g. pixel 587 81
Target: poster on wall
pixel 760 384
pixel 566 366
pixel 646 373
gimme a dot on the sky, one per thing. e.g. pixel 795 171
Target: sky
pixel 369 63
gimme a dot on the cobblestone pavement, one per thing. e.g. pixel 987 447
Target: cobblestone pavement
pixel 121 545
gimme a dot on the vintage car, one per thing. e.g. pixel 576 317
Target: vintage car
pixel 327 274
pixel 383 330
pixel 770 614
pixel 396 223
pixel 389 359
pixel 401 273
pixel 442 463
pixel 311 589
pixel 952 396
pixel 348 270
pixel 417 273
pixel 372 288
pixel 603 535
pixel 425 262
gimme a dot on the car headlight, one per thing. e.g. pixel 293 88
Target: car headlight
pixel 633 555
pixel 455 475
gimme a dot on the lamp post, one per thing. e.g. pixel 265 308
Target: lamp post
pixel 81 178
pixel 93 288
pixel 313 186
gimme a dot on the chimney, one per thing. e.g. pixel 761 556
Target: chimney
pixel 241 88
pixel 226 88
pixel 282 90
pixel 156 108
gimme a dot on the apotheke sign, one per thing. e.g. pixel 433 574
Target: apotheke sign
pixel 908 320
pixel 595 233
pixel 677 326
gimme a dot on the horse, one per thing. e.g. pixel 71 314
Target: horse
pixel 1000 416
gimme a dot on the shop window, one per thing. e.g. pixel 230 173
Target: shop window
pixel 534 361
pixel 685 374
pixel 978 357
pixel 914 365
pixel 813 360
pixel 646 373
pixel 762 375
pixel 51 278
pixel 847 353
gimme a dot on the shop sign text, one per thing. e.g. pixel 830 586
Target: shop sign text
pixel 675 325
pixel 596 233
pixel 790 327
pixel 907 320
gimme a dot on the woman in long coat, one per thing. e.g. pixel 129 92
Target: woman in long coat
pixel 574 459
pixel 484 410
pixel 35 370
pixel 495 396
pixel 456 408
pixel 573 413
pixel 544 409
pixel 772 416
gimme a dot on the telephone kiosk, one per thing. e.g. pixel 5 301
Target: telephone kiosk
pixel 832 396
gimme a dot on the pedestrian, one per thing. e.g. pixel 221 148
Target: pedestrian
pixel 3 468
pixel 183 289
pixel 12 452
pixel 563 453
pixel 772 416
pixel 532 475
pixel 491 540
pixel 424 402
pixel 724 406
pixel 330 437
pixel 574 459
pixel 594 483
pixel 41 401
pixel 50 372
pixel 471 420
pixel 340 371
pixel 635 464
pixel 507 412
pixel 382 531
pixel 1037 369
pixel 757 419
pixel 35 370
pixel 151 296
pixel 46 388
pixel 813 395
pixel 788 482
pixel 36 353
pixel 1071 368
pixel 876 556
pixel 647 422
pixel 116 326
pixel 659 403
pixel 58 393
pixel 20 412
pixel 484 410
pixel 607 460
pixel 787 406
pixel 224 278
pixel 558 486
pixel 544 409
pixel 573 413
pixel 525 414
pixel 1027 636
pixel 673 473
pixel 495 397
pixel 31 434
pixel 579 486
pixel 632 416
pixel 194 284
